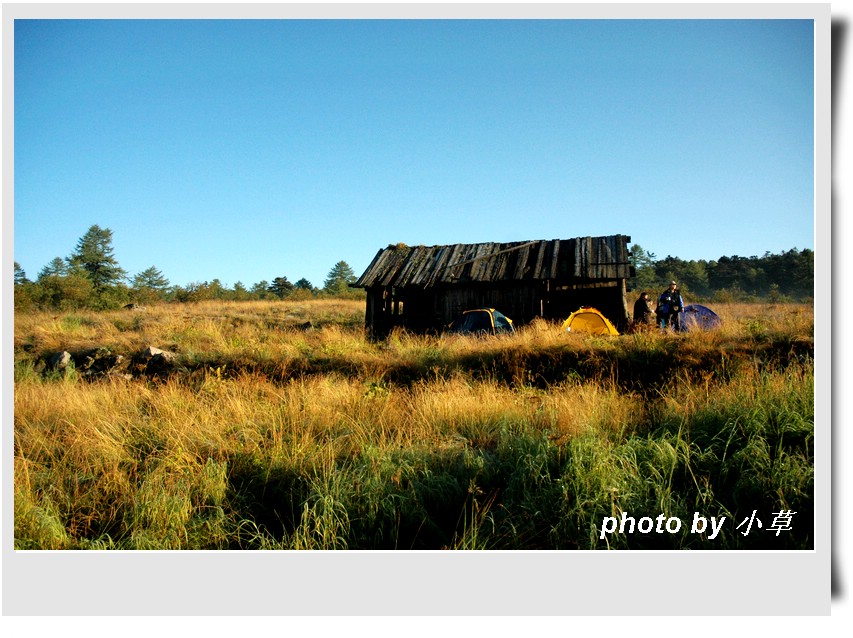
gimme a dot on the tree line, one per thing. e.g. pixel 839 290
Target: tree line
pixel 788 276
pixel 91 278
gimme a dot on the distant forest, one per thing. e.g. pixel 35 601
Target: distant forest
pixel 788 276
pixel 91 278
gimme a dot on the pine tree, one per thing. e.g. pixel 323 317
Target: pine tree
pixel 217 290
pixel 56 268
pixel 303 284
pixel 281 287
pixel 20 275
pixel 24 290
pixel 149 286
pixel 338 278
pixel 240 293
pixel 644 267
pixel 151 278
pixel 94 254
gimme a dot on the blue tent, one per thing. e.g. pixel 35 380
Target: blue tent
pixel 699 317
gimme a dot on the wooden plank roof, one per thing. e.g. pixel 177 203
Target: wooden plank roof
pixel 582 258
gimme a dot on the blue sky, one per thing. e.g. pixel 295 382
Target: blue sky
pixel 247 150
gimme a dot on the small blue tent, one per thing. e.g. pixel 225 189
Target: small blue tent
pixel 699 317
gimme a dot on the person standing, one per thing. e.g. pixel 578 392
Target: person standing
pixel 643 312
pixel 670 305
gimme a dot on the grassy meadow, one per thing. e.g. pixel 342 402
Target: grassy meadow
pixel 267 432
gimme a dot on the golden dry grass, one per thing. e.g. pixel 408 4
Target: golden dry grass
pixel 186 461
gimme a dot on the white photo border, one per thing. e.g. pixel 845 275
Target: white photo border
pixel 429 583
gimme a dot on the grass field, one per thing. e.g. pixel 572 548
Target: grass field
pixel 267 433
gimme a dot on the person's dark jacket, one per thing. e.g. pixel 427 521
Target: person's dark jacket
pixel 643 311
pixel 670 302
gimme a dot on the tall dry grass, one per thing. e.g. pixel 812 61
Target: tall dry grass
pixel 274 437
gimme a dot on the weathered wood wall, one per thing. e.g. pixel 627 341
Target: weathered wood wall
pixel 424 288
pixel 584 258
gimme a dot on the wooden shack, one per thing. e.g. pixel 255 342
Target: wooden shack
pixel 423 288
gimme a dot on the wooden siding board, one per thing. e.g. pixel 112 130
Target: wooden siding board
pixel 584 258
pixel 494 266
pixel 381 267
pixel 516 263
pixel 388 269
pixel 425 265
pixel 498 270
pixel 599 253
pixel 441 261
pixel 399 259
pixel 438 259
pixel 577 270
pixel 521 260
pixel 410 268
pixel 399 276
pixel 385 267
pixel 588 258
pixel 463 271
pixel 472 257
pixel 480 268
pixel 453 272
pixel 557 260
pixel 551 258
pixel 416 266
pixel 474 262
pixel 539 255
pixel 369 276
pixel 447 274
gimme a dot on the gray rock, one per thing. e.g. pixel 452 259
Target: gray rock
pixel 156 362
pixel 164 355
pixel 60 360
pixel 99 362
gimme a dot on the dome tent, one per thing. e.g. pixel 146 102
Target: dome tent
pixel 482 321
pixel 589 320
pixel 698 317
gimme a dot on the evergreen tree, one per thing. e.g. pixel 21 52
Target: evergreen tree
pixel 801 274
pixel 151 278
pixel 240 293
pixel 644 268
pixel 56 268
pixel 20 275
pixel 261 290
pixel 338 279
pixel 216 290
pixel 94 254
pixel 303 284
pixel 24 290
pixel 281 287
pixel 694 278
pixel 150 285
pixel 691 276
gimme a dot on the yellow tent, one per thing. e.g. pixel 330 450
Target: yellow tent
pixel 590 321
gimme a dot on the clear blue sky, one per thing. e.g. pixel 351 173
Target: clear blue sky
pixel 247 150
